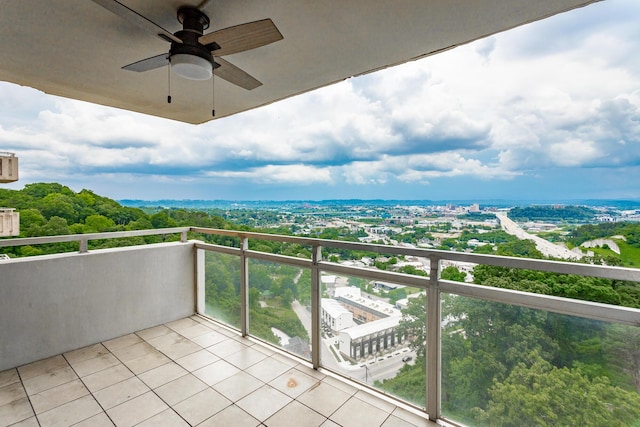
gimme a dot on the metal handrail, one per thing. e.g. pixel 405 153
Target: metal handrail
pixel 433 285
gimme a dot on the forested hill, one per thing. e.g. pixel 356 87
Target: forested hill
pixel 49 209
pixel 553 213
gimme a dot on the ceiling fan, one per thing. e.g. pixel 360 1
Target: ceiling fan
pixel 192 52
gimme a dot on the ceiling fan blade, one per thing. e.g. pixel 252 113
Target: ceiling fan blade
pixel 137 19
pixel 235 75
pixel 243 37
pixel 149 63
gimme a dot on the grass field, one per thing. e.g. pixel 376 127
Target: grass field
pixel 629 255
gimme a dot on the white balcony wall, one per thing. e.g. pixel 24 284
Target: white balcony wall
pixel 56 303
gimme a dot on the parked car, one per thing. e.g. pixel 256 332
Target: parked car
pixel 406 359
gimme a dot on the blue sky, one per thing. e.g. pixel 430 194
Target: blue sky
pixel 547 111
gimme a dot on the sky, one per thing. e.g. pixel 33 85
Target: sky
pixel 547 111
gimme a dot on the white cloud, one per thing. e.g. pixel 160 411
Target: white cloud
pixel 558 93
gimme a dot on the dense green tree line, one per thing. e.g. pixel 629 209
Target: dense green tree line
pixel 553 213
pixel 630 230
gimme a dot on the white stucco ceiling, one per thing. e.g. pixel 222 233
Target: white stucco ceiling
pixel 76 48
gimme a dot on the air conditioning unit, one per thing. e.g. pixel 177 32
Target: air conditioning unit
pixel 9 222
pixel 8 167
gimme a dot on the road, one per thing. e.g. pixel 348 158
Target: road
pixel 325 353
pixel 544 246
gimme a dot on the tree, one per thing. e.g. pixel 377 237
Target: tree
pixel 542 394
pixel 413 325
pixel 622 344
pixel 452 273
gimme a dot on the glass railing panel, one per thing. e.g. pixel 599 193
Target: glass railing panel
pixel 372 337
pixel 222 287
pixel 509 365
pixel 279 305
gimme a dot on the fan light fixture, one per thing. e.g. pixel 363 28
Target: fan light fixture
pixel 191 67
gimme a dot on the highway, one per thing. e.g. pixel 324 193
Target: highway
pixel 544 246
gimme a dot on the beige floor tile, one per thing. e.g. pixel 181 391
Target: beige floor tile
pixel 162 374
pixel 29 422
pixel 375 401
pixel 147 362
pixel 268 369
pixel 226 347
pixel 209 339
pixel 11 393
pixel 264 402
pixel 412 418
pixel 121 392
pixel 97 364
pixel 293 383
pixel 70 413
pixel 56 396
pixel 324 398
pixel 216 372
pixel 85 353
pixel 136 410
pixel 238 386
pixel 201 406
pixel 367 414
pixel 347 388
pixel 100 420
pixel 295 414
pixel 49 380
pixel 180 389
pixel 123 341
pixel 133 351
pixel 107 377
pixel 285 359
pixel 394 421
pixel 264 350
pixel 310 371
pixel 231 416
pixel 9 376
pixel 166 418
pixel 245 358
pixel 180 324
pixel 154 332
pixel 16 411
pixel 174 345
pixel 42 367
pixel 330 423
pixel 194 331
pixel 197 360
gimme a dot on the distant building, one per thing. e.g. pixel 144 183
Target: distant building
pixel 364 309
pixel 370 338
pixel 335 316
pixel 9 222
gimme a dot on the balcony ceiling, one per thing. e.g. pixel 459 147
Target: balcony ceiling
pixel 76 49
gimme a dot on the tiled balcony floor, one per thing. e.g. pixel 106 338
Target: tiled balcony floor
pixel 190 372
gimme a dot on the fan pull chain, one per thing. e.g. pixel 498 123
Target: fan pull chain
pixel 213 87
pixel 169 82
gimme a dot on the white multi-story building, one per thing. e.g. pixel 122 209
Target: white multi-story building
pixel 335 316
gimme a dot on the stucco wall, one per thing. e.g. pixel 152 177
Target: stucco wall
pixel 53 304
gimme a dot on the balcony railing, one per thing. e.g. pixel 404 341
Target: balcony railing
pixel 239 277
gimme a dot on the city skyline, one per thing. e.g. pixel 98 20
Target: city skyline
pixel 547 111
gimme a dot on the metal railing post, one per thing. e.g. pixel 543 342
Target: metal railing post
pixel 200 281
pixel 315 307
pixel 244 287
pixel 433 351
pixel 83 245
